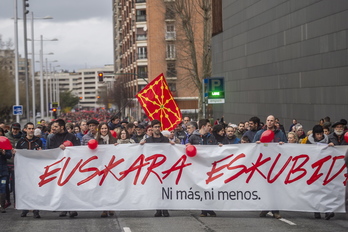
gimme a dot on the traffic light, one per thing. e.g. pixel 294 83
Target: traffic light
pixel 80 98
pixel 54 113
pixel 101 77
pixel 25 5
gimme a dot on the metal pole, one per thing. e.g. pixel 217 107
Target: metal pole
pixel 51 90
pixel 26 61
pixel 16 56
pixel 42 104
pixel 33 66
pixel 47 103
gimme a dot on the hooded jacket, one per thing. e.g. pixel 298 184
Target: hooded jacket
pixel 198 139
pixel 311 140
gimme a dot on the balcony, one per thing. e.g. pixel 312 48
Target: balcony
pixel 141 18
pixel 141 37
pixel 142 56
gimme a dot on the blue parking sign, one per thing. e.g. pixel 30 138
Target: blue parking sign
pixel 18 110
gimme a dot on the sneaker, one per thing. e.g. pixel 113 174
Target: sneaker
pixel 158 213
pixel 63 214
pixel 111 213
pixel 7 204
pixel 277 216
pixel 24 213
pixel 104 214
pixel 72 214
pixel 329 215
pixel 165 213
pixel 203 215
pixel 263 213
pixel 36 214
pixel 212 214
pixel 317 216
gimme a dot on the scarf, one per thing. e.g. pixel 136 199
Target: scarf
pixel 105 138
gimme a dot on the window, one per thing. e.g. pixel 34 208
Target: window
pixel 142 72
pixel 170 51
pixel 141 15
pixel 89 73
pixel 142 52
pixel 170 14
pixel 171 70
pixel 170 31
pixel 141 34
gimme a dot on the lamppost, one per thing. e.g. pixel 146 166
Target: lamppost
pixel 41 76
pixel 16 55
pixel 33 60
pixel 47 100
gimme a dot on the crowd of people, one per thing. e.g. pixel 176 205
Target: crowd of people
pixel 81 127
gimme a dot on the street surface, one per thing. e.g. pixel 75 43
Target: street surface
pixel 135 221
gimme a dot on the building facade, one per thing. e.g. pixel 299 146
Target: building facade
pixel 85 84
pixel 146 42
pixel 286 58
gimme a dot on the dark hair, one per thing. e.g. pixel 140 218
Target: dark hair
pixel 149 126
pixel 127 134
pixel 27 124
pixel 318 129
pixel 114 117
pixel 255 120
pixel 2 131
pixel 246 139
pixel 130 125
pixel 217 128
pixel 203 122
pixel 327 119
pixel 69 125
pixel 60 122
pixel 155 122
pixel 99 129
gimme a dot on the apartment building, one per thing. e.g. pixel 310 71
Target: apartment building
pixel 147 43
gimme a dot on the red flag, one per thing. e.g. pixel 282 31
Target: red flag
pixel 158 103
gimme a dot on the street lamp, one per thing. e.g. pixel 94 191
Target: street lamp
pixel 33 60
pixel 41 76
pixel 47 101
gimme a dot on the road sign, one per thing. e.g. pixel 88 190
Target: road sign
pixel 18 110
pixel 216 90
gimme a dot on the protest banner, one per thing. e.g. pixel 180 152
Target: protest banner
pixel 270 176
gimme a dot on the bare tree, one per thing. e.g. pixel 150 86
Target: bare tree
pixel 195 22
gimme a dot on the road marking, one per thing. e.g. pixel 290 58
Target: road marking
pixel 283 220
pixel 126 229
pixel 287 221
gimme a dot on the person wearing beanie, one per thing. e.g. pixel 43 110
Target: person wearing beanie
pixel 317 136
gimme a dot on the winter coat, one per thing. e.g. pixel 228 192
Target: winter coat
pixel 86 138
pixel 233 140
pixel 29 144
pixel 161 139
pixel 198 139
pixel 311 140
pixel 58 139
pixel 279 136
pixel 3 162
pixel 333 138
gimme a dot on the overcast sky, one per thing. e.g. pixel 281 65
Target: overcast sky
pixel 83 29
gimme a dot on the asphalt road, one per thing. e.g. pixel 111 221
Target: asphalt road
pixel 135 221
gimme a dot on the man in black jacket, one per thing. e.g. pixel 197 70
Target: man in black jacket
pixel 29 142
pixel 60 136
pixel 157 137
pixel 203 137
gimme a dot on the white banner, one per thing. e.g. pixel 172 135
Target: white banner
pixel 292 177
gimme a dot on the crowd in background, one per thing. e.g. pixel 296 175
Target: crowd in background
pixel 81 127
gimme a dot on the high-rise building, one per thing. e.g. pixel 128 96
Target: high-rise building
pixel 147 42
